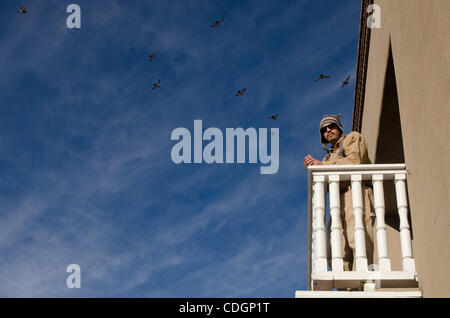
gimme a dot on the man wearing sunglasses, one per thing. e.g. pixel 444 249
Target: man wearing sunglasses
pixel 345 150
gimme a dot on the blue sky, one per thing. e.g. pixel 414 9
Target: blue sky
pixel 86 173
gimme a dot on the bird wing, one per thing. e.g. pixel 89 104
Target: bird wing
pixel 244 90
pixel 326 76
pixel 216 23
pixel 347 78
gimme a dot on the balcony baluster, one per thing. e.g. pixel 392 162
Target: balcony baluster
pixel 405 233
pixel 319 230
pixel 337 264
pixel 384 263
pixel 360 237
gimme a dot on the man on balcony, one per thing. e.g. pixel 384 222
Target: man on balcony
pixel 345 150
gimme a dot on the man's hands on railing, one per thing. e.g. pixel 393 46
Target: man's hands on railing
pixel 309 160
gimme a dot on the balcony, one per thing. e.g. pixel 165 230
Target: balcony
pixel 366 280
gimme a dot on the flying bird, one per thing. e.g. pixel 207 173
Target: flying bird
pixel 274 117
pixel 345 82
pixel 216 23
pixel 152 56
pixel 22 10
pixel 156 85
pixel 321 76
pixel 240 92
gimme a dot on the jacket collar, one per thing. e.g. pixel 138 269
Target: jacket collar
pixel 336 145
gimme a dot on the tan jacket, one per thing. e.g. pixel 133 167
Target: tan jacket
pixel 355 151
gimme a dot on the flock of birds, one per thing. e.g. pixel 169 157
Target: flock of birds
pixel 239 92
pixel 242 91
pixel 323 76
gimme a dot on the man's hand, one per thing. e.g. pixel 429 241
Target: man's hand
pixel 308 161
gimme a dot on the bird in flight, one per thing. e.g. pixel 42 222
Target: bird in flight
pixel 216 23
pixel 274 117
pixel 321 76
pixel 156 85
pixel 22 10
pixel 240 92
pixel 152 56
pixel 345 82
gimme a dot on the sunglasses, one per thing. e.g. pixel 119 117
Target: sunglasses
pixel 331 126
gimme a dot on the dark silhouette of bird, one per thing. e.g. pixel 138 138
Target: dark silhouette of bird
pixel 321 77
pixel 240 92
pixel 345 82
pixel 217 23
pixel 152 56
pixel 22 10
pixel 156 85
pixel 274 117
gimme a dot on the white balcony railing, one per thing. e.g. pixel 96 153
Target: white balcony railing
pixel 325 179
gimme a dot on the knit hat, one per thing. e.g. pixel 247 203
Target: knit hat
pixel 328 119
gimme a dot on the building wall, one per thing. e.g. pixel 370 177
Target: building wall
pixel 417 34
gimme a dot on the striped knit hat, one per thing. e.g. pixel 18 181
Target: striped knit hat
pixel 328 119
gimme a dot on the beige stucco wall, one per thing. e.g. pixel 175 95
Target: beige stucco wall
pixel 419 34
